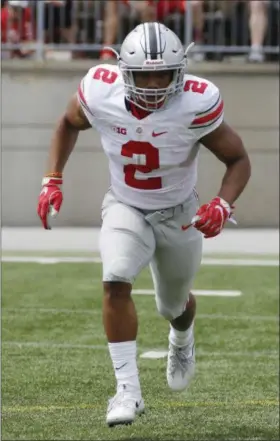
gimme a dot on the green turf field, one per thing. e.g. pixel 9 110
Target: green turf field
pixel 56 372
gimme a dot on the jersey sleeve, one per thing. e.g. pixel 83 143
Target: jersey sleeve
pixel 85 95
pixel 210 114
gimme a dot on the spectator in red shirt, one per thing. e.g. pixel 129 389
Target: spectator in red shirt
pixel 151 10
pixel 16 27
pixel 167 7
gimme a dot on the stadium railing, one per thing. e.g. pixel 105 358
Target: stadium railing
pixel 225 29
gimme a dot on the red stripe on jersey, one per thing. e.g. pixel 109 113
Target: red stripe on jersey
pixel 211 116
pixel 138 112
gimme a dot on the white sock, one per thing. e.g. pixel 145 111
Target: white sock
pixel 181 338
pixel 123 356
pixel 256 47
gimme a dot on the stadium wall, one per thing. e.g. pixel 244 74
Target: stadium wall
pixel 34 95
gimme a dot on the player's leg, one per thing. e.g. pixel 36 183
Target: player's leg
pixel 127 244
pixel 111 24
pixel 175 263
pixel 145 9
pixel 258 24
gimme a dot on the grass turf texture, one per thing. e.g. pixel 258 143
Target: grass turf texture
pixel 55 386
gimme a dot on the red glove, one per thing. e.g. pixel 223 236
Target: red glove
pixel 50 199
pixel 211 218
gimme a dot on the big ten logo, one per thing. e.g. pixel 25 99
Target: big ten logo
pixel 120 130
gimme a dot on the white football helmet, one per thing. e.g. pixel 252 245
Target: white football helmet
pixel 152 47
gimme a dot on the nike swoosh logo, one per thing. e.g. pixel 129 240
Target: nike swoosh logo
pixel 185 227
pixel 118 368
pixel 158 134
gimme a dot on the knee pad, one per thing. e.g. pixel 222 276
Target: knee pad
pixel 171 307
pixel 169 312
pixel 166 313
pixel 119 270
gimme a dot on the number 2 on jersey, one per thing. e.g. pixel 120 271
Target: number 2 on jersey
pixel 152 163
pixel 195 86
pixel 105 75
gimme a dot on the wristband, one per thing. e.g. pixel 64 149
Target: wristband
pixel 54 175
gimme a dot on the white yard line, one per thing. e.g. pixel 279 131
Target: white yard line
pixel 50 345
pixel 154 355
pixel 240 262
pixel 205 261
pixel 51 311
pixel 50 260
pixel 159 353
pixel 196 292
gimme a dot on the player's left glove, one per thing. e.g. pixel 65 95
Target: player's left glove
pixel 50 199
pixel 211 218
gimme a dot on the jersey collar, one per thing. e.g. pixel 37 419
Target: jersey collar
pixel 136 111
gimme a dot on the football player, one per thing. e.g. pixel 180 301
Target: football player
pixel 152 117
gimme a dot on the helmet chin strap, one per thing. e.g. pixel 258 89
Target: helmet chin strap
pixel 148 106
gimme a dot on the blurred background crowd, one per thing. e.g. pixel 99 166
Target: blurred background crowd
pixel 68 29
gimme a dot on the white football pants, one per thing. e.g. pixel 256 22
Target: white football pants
pixel 131 239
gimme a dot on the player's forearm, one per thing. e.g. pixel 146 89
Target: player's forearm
pixel 235 179
pixel 63 142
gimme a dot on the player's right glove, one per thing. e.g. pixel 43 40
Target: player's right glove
pixel 50 198
pixel 211 218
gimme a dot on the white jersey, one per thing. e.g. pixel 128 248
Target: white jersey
pixel 152 161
